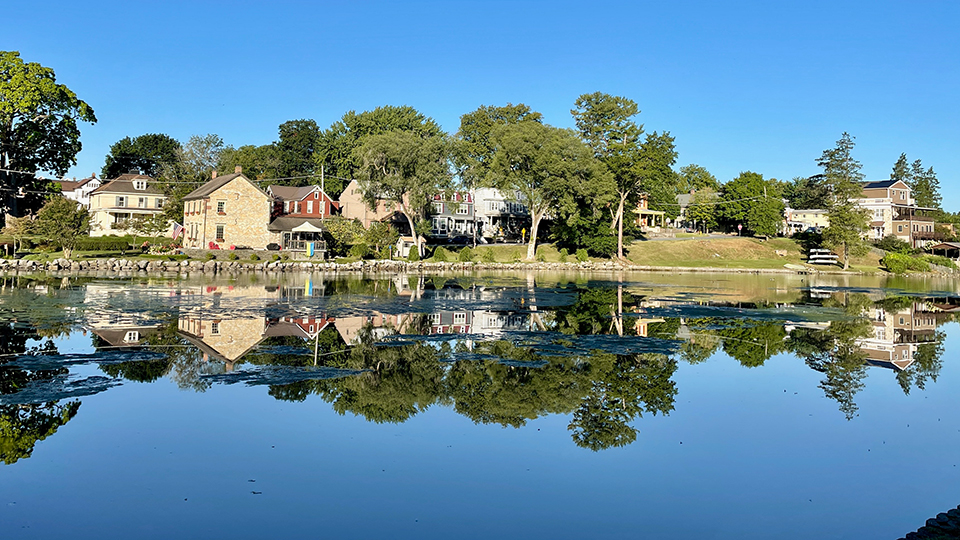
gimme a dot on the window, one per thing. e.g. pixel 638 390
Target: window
pixel 316 194
pixel 434 319
pixel 878 213
pixel 309 207
pixel 142 202
pixel 121 202
pixel 437 208
pixel 899 228
pixel 290 207
pixel 220 231
pixel 459 318
pixel 158 203
pixel 139 185
pixel 221 207
pixel 131 336
pixel 440 224
pixel 463 210
pixel 215 328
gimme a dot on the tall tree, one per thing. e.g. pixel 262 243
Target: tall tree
pixel 146 154
pixel 695 177
pixel 404 168
pixel 657 179
pixel 473 149
pixel 848 221
pixel 606 124
pixel 336 145
pixel 901 170
pixel 924 185
pixel 703 209
pixel 38 131
pixel 754 202
pixel 258 162
pixel 550 168
pixel 297 144
pixel 196 161
pixel 807 193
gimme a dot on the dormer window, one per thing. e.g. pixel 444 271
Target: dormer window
pixel 139 185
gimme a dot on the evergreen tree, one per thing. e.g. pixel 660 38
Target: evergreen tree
pixel 848 221
pixel 925 186
pixel 901 170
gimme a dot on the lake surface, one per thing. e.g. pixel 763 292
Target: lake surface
pixel 477 406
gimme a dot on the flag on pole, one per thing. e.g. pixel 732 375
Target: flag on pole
pixel 177 230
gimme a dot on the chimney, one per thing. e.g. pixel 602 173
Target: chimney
pixel 93 175
pixel 213 174
pixel 238 169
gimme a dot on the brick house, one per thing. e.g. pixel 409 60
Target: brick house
pixel 229 210
pixel 306 201
pixel 125 197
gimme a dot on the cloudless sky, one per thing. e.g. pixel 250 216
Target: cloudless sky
pixel 742 85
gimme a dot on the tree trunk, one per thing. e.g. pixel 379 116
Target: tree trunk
pixel 532 245
pixel 413 230
pixel 846 257
pixel 623 198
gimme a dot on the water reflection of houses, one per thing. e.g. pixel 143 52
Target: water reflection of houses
pixel 110 313
pixel 897 332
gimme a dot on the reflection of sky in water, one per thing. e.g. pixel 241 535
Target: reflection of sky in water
pixel 745 453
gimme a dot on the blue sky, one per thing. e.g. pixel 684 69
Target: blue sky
pixel 761 86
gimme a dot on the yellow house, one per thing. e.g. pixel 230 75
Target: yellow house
pixel 125 197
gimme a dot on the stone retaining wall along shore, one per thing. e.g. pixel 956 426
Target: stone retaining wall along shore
pixel 373 266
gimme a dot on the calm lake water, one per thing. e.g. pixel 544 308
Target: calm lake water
pixel 477 406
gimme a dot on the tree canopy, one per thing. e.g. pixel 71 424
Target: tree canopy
pixel 63 222
pixel 848 221
pixel 474 148
pixel 39 131
pixel 145 154
pixel 754 202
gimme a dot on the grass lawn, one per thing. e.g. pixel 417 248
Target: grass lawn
pixel 731 253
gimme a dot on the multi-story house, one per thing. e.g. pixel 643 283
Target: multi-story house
pixel 498 217
pixel 80 190
pixel 800 220
pixel 306 201
pixel 352 206
pixel 451 216
pixel 125 197
pixel 229 210
pixel 893 211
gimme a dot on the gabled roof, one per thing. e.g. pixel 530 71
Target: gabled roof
pixel 287 223
pixel 70 185
pixel 882 184
pixel 292 193
pixel 124 184
pixel 217 183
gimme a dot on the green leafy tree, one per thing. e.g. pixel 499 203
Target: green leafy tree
pixel 702 210
pixel 606 124
pixel 22 426
pixel 848 221
pixel 381 235
pixel 256 162
pixel 196 161
pixel 696 177
pixel 38 131
pixel 337 145
pixel 658 181
pixel 147 225
pixel 296 148
pixel 807 193
pixel 406 169
pixel 474 147
pixel 754 202
pixel 146 154
pixel 551 169
pixel 63 222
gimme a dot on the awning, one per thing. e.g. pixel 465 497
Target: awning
pixel 306 226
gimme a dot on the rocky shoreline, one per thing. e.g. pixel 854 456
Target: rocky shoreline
pixel 212 267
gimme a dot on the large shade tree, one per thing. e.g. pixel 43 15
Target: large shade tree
pixel 145 154
pixel 474 148
pixel 39 131
pixel 336 146
pixel 406 169
pixel 551 169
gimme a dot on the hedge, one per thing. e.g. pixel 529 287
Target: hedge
pixel 899 264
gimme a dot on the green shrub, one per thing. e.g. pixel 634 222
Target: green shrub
pixel 942 261
pixel 440 255
pixel 209 256
pixel 385 252
pixel 254 257
pixel 563 255
pixel 487 256
pixel 541 257
pixel 582 255
pixel 465 255
pixel 414 254
pixel 233 256
pixel 898 263
pixel 892 244
pixel 103 243
pixel 359 250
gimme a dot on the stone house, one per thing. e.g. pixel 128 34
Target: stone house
pixel 229 210
pixel 125 197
